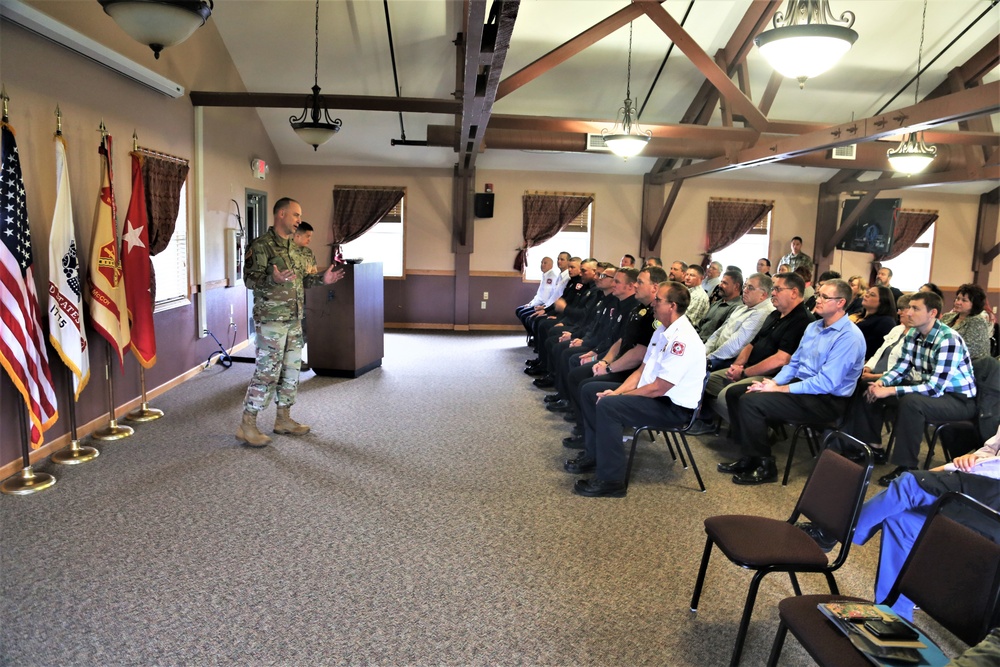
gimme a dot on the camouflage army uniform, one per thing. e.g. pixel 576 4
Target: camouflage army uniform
pixel 277 311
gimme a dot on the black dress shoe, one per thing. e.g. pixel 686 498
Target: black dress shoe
pixel 879 456
pixel 559 406
pixel 580 465
pixel 885 480
pixel 765 473
pixel 552 398
pixel 573 442
pixel 577 429
pixel 535 371
pixel 570 417
pixel 745 464
pixel 825 542
pixel 546 382
pixel 599 488
pixel 702 427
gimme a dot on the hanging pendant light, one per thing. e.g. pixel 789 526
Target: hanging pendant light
pixel 912 155
pixel 804 41
pixel 159 23
pixel 626 143
pixel 319 128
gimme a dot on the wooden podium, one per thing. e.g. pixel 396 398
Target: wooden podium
pixel 345 323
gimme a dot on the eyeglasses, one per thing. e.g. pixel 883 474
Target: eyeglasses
pixel 749 288
pixel 824 297
pixel 602 275
pixel 780 289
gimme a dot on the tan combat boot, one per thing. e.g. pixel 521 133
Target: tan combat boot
pixel 283 423
pixel 248 434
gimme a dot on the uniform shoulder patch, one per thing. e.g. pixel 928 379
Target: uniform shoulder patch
pixel 677 348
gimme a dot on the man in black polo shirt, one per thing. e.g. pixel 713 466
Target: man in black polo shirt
pixel 770 349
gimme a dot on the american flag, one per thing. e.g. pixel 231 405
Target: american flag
pixel 22 345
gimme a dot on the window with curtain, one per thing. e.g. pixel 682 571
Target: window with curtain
pixel 748 248
pixel 912 268
pixel 575 238
pixel 170 266
pixel 383 242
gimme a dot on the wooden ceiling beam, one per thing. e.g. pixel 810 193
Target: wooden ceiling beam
pixel 972 70
pixel 925 179
pixel 205 98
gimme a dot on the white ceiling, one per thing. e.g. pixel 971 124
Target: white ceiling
pixel 271 43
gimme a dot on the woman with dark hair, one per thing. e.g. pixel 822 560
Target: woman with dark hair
pixel 878 318
pixel 931 287
pixel 968 318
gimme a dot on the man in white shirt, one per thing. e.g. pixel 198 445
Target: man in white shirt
pixel 712 277
pixel 553 283
pixel 746 320
pixel 699 299
pixel 663 391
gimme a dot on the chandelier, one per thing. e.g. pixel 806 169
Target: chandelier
pixel 626 143
pixel 158 23
pixel 319 128
pixel 805 42
pixel 912 155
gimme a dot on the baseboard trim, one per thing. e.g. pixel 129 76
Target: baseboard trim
pixel 83 430
pixel 453 327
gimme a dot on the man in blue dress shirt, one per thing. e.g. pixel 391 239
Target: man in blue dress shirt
pixel 816 383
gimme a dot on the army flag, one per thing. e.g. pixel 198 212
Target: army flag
pixel 22 343
pixel 135 266
pixel 66 330
pixel 108 312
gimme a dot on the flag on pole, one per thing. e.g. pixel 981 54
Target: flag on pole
pixel 22 343
pixel 66 329
pixel 135 266
pixel 108 312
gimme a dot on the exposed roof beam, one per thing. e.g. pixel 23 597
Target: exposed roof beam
pixel 948 109
pixel 974 69
pixel 705 64
pixel 567 50
pixel 551 124
pixel 920 180
pixel 205 98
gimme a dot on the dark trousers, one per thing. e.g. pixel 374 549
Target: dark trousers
pixel 755 409
pixel 915 410
pixel 864 420
pixel 608 417
pixel 569 358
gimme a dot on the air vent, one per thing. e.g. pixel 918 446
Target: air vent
pixel 595 142
pixel 849 152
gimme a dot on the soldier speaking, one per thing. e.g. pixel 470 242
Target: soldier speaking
pixel 278 282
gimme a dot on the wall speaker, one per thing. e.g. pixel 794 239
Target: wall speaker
pixel 484 205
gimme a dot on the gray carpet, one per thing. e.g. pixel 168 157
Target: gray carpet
pixel 426 520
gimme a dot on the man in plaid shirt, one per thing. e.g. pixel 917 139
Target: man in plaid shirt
pixel 945 391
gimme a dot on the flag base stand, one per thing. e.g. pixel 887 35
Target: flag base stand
pixel 75 454
pixel 27 482
pixel 113 431
pixel 144 413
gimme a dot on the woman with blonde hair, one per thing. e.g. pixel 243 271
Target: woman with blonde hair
pixel 858 288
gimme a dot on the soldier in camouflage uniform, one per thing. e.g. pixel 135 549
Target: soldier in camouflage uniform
pixel 277 274
pixel 304 259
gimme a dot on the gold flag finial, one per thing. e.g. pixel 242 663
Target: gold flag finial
pixel 4 97
pixel 58 121
pixel 103 129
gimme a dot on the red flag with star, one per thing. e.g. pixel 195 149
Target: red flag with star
pixel 135 266
pixel 22 345
pixel 108 313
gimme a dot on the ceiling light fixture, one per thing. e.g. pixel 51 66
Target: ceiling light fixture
pixel 804 42
pixel 158 23
pixel 912 155
pixel 626 144
pixel 320 128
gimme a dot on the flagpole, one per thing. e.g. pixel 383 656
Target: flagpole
pixel 114 430
pixel 73 454
pixel 27 481
pixel 143 413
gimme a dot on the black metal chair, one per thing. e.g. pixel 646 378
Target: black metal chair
pixel 952 574
pixel 813 431
pixel 831 499
pixel 679 435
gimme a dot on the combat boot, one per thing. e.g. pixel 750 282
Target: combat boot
pixel 248 434
pixel 283 423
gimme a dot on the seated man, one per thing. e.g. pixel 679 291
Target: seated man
pixel 713 276
pixel 699 299
pixel 546 294
pixel 663 391
pixel 900 510
pixel 743 324
pixel 945 390
pixel 816 384
pixel 769 350
pixel 731 285
pixel 676 272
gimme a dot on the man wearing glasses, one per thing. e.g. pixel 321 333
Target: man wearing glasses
pixel 744 323
pixel 817 382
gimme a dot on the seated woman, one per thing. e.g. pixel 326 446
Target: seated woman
pixel 969 319
pixel 858 288
pixel 878 318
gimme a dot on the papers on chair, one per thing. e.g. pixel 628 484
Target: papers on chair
pixel 849 617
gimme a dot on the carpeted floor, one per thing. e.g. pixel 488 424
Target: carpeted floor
pixel 426 520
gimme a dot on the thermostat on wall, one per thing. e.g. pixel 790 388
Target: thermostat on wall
pixel 259 169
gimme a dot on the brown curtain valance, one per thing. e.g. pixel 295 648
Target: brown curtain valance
pixel 358 209
pixel 545 215
pixel 730 219
pixel 163 176
pixel 910 226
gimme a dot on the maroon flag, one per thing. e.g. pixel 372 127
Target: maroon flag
pixel 135 267
pixel 22 345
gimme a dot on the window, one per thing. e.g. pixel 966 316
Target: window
pixel 171 265
pixel 382 243
pixel 750 247
pixel 574 239
pixel 913 268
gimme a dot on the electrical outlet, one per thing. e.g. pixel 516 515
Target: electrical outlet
pixel 486 295
pixel 483 305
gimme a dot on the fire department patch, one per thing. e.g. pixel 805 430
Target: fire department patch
pixel 677 348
